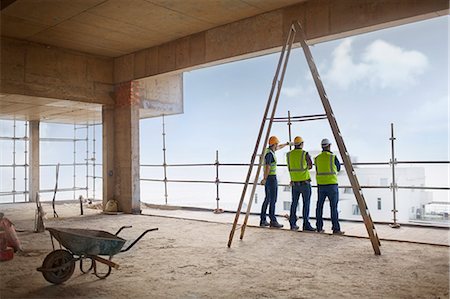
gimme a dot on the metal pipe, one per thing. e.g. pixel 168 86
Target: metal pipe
pixel 54 139
pixel 14 161
pixel 177 165
pixel 74 159
pixel 164 158
pixel 393 184
pixel 217 183
pixel 247 164
pixel 300 120
pixel 26 162
pixel 87 161
pixel 300 117
pixel 12 138
pixel 94 158
pixel 66 164
pixel 289 124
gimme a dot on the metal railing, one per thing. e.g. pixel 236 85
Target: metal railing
pixel 217 181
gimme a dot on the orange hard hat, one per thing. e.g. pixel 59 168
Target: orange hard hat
pixel 298 140
pixel 273 140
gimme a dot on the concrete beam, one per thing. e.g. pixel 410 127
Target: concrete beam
pixel 322 20
pixel 33 157
pixel 42 71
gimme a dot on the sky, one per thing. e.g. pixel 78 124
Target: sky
pixel 397 75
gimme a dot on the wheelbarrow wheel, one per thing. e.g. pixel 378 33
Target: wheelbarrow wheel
pixel 58 266
pixel 90 267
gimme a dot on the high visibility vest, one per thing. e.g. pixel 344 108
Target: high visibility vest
pixel 326 170
pixel 273 165
pixel 297 165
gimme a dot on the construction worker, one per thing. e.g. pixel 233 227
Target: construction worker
pixel 270 183
pixel 299 162
pixel 327 167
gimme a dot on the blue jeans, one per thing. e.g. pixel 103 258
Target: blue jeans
pixel 332 192
pixel 305 190
pixel 271 188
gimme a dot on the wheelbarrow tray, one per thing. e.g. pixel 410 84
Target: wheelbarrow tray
pixel 88 242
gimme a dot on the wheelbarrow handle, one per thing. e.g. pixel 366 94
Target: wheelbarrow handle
pixel 120 229
pixel 135 241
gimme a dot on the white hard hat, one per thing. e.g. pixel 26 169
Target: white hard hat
pixel 325 142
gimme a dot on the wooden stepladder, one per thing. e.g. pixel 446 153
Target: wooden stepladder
pixel 295 29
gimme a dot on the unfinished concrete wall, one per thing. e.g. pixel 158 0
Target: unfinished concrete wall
pixel 321 19
pixel 160 95
pixel 43 71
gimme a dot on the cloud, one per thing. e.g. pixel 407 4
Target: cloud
pixel 381 65
pixel 344 71
pixel 292 92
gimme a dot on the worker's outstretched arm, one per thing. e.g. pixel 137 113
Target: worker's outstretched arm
pixel 280 146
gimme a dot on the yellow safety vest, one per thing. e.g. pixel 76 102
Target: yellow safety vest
pixel 326 170
pixel 273 165
pixel 297 165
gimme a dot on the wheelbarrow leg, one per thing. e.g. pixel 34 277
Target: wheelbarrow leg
pixel 109 263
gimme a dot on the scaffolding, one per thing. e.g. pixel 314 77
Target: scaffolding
pixel 392 163
pixel 89 163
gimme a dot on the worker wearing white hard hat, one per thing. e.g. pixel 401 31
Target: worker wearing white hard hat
pixel 327 168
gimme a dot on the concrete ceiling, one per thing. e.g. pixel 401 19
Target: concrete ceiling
pixel 116 27
pixel 23 107
pixel 108 28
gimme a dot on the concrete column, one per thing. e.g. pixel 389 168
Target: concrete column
pixel 121 175
pixel 33 157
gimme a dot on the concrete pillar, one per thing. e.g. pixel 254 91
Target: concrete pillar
pixel 33 157
pixel 121 175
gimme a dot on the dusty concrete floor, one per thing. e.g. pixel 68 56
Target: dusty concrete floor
pixel 190 259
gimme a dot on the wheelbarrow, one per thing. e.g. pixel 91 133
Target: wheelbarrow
pixel 82 244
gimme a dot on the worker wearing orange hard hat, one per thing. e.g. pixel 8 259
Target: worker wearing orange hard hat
pixel 299 163
pixel 270 183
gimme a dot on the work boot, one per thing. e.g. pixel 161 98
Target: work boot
pixel 295 227
pixel 309 229
pixel 338 232
pixel 264 223
pixel 320 231
pixel 276 225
